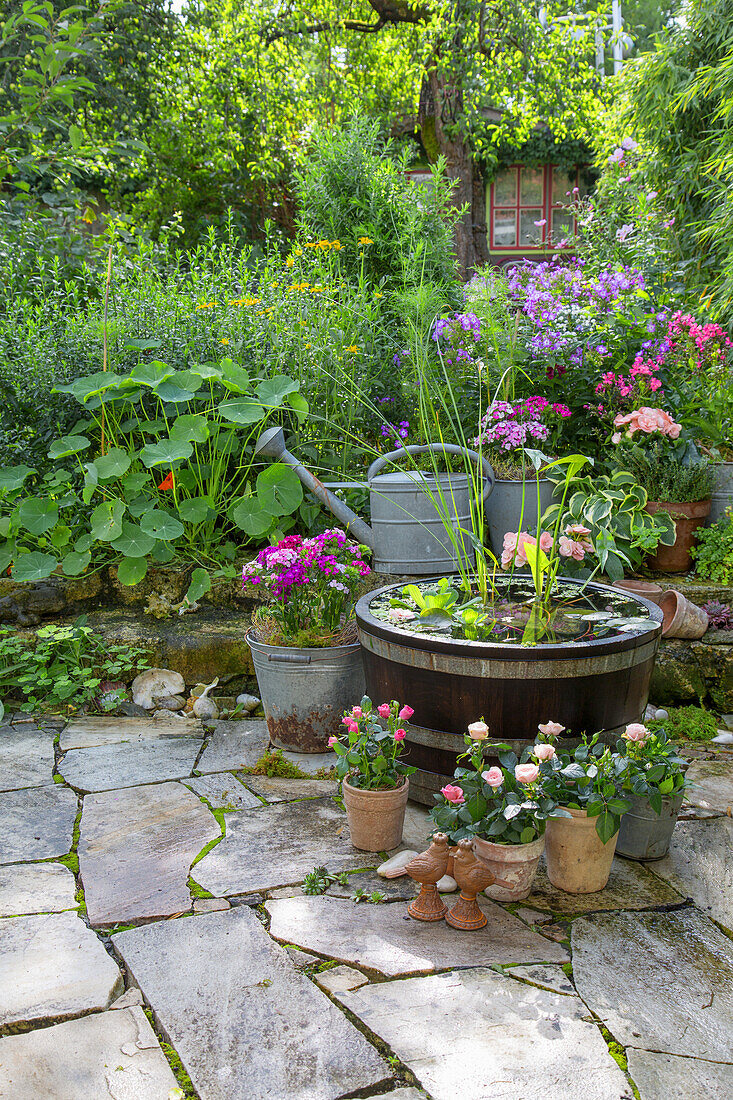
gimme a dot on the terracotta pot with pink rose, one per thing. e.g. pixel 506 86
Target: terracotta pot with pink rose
pixel 374 781
pixel 502 810
pixel 587 784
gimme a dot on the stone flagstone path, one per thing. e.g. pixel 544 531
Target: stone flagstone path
pixel 139 858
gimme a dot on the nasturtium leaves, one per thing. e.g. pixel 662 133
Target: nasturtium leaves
pixel 234 378
pixel 139 505
pixel 60 536
pixel 162 553
pixel 89 386
pixel 250 517
pixel 12 477
pixel 166 452
pixel 161 525
pixel 241 411
pixel 279 490
pixel 273 391
pixel 75 563
pixel 106 520
pixel 191 427
pixel 131 570
pixel 199 586
pixel 150 374
pixel 68 445
pixel 114 464
pixel 38 515
pixel 171 391
pixel 193 509
pixel 34 566
pixel 83 543
pixel 133 483
pixel 133 542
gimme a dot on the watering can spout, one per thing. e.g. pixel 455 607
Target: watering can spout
pixel 272 444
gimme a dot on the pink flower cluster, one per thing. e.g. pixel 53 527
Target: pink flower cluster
pixel 526 774
pixel 574 543
pixel 637 733
pixel 647 420
pixel 510 426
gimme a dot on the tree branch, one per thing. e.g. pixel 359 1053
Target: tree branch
pixel 387 12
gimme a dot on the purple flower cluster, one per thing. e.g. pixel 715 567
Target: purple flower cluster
pixel 511 426
pixel 400 431
pixel 308 580
pixel 455 333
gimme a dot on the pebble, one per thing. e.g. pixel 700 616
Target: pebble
pixel 661 715
pixel 396 863
pixel 446 885
pixel 723 738
pixel 247 703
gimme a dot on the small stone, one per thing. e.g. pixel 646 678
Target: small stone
pixel 302 959
pixel 674 1078
pixel 156 683
pixel 52 966
pixel 171 718
pixel 247 703
pixel 312 762
pixel 446 885
pixel 170 702
pixel 129 999
pixel 723 737
pixel 87 1058
pixel 211 905
pixel 340 979
pixel 396 863
pixel 727 720
pixel 128 709
pixel 661 715
pixel 531 916
pixel 286 892
pixel 36 888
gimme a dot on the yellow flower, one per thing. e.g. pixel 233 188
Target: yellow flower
pixel 325 245
pixel 290 262
pixel 378 294
pixel 206 305
pixel 336 246
pixel 224 341
pixel 308 346
pixel 365 240
pixel 236 302
pixel 352 348
pixel 252 301
pixel 298 251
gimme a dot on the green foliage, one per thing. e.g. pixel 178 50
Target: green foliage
pixel 368 758
pixel 274 764
pixel 589 778
pixel 63 666
pixel 687 724
pixel 655 770
pixel 319 879
pixel 713 553
pixel 665 477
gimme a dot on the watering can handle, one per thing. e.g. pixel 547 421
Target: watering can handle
pixel 447 448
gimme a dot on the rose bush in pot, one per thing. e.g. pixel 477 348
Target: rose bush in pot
pixel 586 782
pixel 374 781
pixel 655 785
pixel 502 809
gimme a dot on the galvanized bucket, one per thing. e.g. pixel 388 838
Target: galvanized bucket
pixel 643 833
pixel 722 497
pixel 504 510
pixel 305 692
pixel 409 535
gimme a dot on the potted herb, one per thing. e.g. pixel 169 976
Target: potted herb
pixel 654 785
pixel 374 781
pixel 587 783
pixel 502 809
pixel 672 485
pixel 505 430
pixel 303 640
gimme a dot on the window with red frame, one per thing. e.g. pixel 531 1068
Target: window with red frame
pixel 526 206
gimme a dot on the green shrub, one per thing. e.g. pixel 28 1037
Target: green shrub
pixel 713 553
pixel 666 478
pixel 687 724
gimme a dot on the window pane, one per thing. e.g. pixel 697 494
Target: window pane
pixel 532 186
pixel 529 233
pixel 505 188
pixel 562 182
pixel 505 228
pixel 562 225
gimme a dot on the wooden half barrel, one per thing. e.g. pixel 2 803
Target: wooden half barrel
pixel 589 685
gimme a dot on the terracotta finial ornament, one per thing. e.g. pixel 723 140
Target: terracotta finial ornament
pixel 428 868
pixel 472 877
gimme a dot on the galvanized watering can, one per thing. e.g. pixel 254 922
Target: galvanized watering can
pixel 407 535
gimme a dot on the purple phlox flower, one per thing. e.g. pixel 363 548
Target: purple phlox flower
pixel 623 232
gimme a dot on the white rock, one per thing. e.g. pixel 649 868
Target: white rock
pixel 661 715
pixel 396 864
pixel 248 703
pixel 156 682
pixel 446 885
pixel 723 738
pixel 204 707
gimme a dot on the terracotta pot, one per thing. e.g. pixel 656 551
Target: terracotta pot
pixel 688 517
pixel 647 589
pixel 513 863
pixel 376 818
pixel 682 618
pixel 578 862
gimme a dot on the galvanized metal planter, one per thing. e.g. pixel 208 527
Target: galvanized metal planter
pixel 645 834
pixel 504 508
pixel 304 692
pixel 596 684
pixel 722 497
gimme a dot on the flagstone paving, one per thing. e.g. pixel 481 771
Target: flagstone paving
pixel 489 1015
pixel 712 785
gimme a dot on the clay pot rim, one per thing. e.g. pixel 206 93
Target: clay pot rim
pixel 521 850
pixel 690 509
pixel 378 793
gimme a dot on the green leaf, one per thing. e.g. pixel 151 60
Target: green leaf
pixel 250 517
pixel 273 391
pixel 74 563
pixel 171 392
pixel 241 411
pixel 161 525
pixel 33 567
pixel 279 490
pixel 90 386
pixel 106 520
pixel 298 404
pixel 12 477
pixel 194 509
pixel 199 586
pixel 133 542
pixel 606 826
pixel 132 570
pixel 68 445
pixel 150 374
pixel 114 464
pixel 166 452
pixel 233 377
pixel 38 515
pixel 194 428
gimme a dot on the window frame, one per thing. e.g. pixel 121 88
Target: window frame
pixel 547 206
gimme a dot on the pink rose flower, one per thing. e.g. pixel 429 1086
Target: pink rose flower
pixel 384 710
pixel 356 712
pixel 636 732
pixel 452 794
pixel 526 773
pixel 351 725
pixel 400 734
pixel 332 741
pixel 478 731
pixel 551 729
pixel 406 713
pixel 544 752
pixel 494 777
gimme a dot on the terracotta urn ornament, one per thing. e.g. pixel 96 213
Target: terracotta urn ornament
pixel 472 876
pixel 428 869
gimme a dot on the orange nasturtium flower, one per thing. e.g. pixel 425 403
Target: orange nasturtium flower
pixel 167 482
